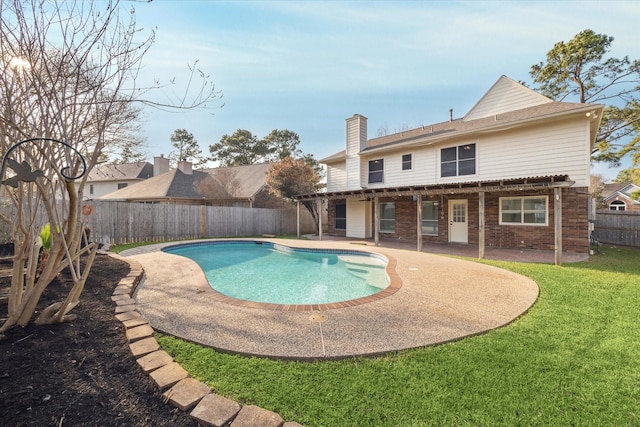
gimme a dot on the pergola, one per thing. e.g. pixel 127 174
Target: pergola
pixel 480 188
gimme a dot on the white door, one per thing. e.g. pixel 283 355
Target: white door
pixel 458 223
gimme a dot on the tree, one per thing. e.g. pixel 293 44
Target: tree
pixel 628 175
pixel 281 144
pixel 596 187
pixel 579 69
pixel 186 148
pixel 131 153
pixel 292 177
pixel 66 69
pixel 241 148
pixel 222 185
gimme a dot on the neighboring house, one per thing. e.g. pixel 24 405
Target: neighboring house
pixel 512 173
pixel 104 179
pixel 617 197
pixel 239 186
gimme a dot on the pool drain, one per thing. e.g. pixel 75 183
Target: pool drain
pixel 317 317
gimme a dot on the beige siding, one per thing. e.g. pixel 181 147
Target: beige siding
pixel 356 141
pixel 505 95
pixel 353 172
pixel 336 177
pixel 554 149
pixel 423 171
pixel 356 134
pixel 358 219
pixel 104 187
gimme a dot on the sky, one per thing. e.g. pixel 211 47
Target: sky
pixel 306 66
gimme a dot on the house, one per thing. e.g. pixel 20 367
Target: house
pixel 512 173
pixel 618 197
pixel 104 179
pixel 238 186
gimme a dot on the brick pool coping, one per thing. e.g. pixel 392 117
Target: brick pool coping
pixel 395 283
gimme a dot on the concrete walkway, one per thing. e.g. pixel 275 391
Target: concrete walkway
pixel 441 299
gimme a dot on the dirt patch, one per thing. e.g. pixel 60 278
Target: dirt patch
pixel 80 373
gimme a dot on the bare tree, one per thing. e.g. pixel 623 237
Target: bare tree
pixel 67 88
pixel 220 186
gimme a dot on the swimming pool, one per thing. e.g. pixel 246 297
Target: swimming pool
pixel 276 274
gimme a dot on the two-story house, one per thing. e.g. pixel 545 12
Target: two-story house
pixel 512 173
pixel 107 178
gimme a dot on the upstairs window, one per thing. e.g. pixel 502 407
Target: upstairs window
pixel 407 163
pixel 376 170
pixel 458 161
pixel 531 210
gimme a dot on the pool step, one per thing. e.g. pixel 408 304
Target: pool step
pixel 361 260
pixel 364 274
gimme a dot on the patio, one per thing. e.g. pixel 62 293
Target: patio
pixel 461 250
pixel 441 299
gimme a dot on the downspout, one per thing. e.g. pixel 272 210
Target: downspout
pixel 418 200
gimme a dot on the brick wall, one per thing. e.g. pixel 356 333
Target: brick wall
pixel 575 224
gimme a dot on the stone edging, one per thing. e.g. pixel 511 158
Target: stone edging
pixel 180 390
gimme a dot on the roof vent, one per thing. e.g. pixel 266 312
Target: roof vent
pixel 450 114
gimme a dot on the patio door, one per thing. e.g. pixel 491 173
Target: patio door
pixel 458 221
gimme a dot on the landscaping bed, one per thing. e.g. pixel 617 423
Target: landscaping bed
pixel 79 373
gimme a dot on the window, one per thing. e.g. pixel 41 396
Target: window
pixel 406 162
pixel 430 218
pixel 122 185
pixel 341 216
pixel 90 188
pixel 376 169
pixel 387 217
pixel 531 210
pixel 458 161
pixel 617 205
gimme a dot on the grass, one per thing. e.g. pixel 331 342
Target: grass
pixel 571 360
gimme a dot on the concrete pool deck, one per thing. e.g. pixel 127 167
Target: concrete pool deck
pixel 441 299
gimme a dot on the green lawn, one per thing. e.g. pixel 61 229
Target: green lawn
pixel 574 359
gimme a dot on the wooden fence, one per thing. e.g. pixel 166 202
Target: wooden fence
pixel 617 227
pixel 122 222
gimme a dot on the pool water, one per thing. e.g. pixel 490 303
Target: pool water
pixel 272 273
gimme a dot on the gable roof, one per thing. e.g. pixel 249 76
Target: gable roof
pixel 120 172
pixel 505 95
pixel 540 108
pixel 249 178
pixel 622 190
pixel 176 184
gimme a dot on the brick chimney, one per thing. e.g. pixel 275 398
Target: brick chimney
pixel 160 165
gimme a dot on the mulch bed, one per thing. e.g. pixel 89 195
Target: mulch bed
pixel 80 373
